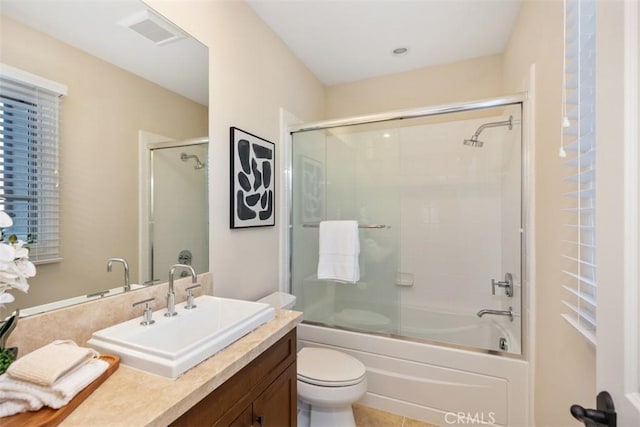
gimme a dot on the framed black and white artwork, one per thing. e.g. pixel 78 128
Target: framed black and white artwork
pixel 252 180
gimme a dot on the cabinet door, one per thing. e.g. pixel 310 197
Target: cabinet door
pixel 245 419
pixel 277 405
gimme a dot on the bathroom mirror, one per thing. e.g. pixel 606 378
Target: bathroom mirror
pixel 127 96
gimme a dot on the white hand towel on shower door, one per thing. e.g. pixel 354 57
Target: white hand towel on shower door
pixel 339 251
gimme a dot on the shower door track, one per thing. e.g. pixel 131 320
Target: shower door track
pixel 518 98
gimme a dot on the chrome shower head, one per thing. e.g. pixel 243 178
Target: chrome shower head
pixel 473 142
pixel 184 157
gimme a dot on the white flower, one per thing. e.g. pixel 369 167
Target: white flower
pixel 5 298
pixel 15 266
pixel 7 253
pixel 5 220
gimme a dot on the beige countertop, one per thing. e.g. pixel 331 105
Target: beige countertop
pixel 134 398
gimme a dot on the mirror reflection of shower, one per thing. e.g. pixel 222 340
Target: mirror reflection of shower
pixel 185 157
pixel 473 142
pixel 177 206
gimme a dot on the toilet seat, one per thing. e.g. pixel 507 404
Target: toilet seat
pixel 329 368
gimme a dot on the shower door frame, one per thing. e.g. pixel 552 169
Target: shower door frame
pixel 151 147
pixel 526 194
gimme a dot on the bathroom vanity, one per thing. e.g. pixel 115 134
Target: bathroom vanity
pixel 254 376
pixel 251 382
pixel 262 393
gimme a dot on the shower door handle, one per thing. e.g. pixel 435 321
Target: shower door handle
pixel 603 416
pixel 507 284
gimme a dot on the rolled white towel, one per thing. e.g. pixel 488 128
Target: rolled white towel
pixel 59 394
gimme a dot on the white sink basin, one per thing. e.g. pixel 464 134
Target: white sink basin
pixel 172 345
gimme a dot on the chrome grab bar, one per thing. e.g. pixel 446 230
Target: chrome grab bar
pixel 508 313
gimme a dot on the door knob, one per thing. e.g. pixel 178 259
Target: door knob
pixel 603 416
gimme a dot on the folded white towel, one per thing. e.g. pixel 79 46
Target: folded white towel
pixel 47 364
pixel 19 402
pixel 339 250
pixel 19 396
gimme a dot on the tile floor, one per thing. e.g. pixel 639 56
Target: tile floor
pixel 371 417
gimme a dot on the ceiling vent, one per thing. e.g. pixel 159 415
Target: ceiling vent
pixel 152 27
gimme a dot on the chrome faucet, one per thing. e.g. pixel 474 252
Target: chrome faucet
pixel 147 315
pixel 508 313
pixel 171 295
pixel 127 285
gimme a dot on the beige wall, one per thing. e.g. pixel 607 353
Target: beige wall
pixel 460 81
pixel 101 115
pixel 564 364
pixel 252 75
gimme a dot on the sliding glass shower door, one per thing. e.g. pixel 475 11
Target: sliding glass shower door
pixel 438 202
pixel 340 174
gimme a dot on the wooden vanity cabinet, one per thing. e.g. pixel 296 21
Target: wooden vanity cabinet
pixel 262 394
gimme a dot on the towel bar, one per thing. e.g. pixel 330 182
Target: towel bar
pixel 316 225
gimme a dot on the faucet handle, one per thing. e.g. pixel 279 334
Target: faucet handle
pixel 507 284
pixel 147 315
pixel 190 298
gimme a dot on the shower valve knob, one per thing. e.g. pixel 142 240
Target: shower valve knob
pixel 507 284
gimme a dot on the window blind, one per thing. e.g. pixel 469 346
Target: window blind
pixel 579 254
pixel 29 193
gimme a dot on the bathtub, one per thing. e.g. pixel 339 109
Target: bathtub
pixel 460 328
pixel 444 384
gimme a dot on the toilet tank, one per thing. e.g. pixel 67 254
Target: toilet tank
pixel 280 300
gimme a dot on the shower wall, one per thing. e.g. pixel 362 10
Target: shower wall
pixel 453 202
pixel 460 219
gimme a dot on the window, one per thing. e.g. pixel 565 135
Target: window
pixel 29 193
pixel 579 265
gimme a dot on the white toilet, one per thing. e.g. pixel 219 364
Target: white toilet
pixel 329 381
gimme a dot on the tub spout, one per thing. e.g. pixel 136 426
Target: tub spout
pixel 508 313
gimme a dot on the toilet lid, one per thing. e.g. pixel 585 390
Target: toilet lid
pixel 330 368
